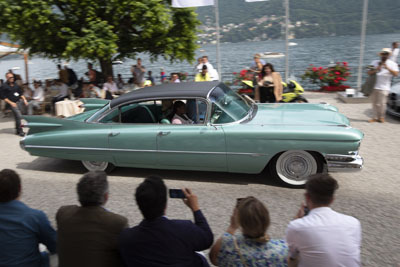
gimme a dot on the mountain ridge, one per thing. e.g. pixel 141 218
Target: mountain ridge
pixel 245 21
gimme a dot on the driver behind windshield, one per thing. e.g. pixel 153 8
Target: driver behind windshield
pixel 180 116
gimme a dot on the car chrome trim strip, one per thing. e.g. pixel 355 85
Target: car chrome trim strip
pixel 144 150
pixel 344 163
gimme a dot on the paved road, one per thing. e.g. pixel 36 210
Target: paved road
pixel 371 195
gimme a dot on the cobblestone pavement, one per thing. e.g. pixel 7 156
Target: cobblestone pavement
pixel 371 195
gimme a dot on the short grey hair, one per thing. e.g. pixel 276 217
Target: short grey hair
pixel 92 188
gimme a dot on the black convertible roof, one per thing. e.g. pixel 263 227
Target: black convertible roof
pixel 172 90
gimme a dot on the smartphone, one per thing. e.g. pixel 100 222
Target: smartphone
pixel 176 193
pixel 306 210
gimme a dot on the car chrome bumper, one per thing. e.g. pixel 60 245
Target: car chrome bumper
pixel 344 163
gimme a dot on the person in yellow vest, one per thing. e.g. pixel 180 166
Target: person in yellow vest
pixel 202 76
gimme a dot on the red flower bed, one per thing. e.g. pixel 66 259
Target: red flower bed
pixel 330 78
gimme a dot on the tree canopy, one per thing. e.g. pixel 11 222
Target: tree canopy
pixel 101 30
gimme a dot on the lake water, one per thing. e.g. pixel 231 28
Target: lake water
pixel 237 56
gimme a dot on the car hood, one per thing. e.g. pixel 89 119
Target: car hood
pixel 299 114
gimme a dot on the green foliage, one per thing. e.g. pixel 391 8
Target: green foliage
pixel 103 29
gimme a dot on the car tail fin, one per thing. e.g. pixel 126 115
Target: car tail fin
pixel 37 124
pixel 93 103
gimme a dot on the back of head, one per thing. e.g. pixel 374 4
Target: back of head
pixel 92 188
pixel 10 185
pixel 151 197
pixel 253 218
pixel 320 188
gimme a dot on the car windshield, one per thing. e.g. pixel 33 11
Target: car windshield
pixel 227 106
pixel 98 113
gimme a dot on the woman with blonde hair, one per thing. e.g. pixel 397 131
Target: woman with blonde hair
pixel 251 247
pixel 269 87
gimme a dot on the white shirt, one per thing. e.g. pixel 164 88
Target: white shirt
pixel 111 87
pixel 395 54
pixel 184 119
pixel 325 238
pixel 208 64
pixel 38 94
pixel 384 77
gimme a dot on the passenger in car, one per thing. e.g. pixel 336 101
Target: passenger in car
pixel 167 109
pixel 180 116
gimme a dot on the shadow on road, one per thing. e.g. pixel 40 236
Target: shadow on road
pixel 75 167
pixel 7 131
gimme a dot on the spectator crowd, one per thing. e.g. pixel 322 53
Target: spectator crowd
pixel 21 99
pixel 91 235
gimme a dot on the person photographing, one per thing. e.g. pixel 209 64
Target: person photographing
pixel 384 69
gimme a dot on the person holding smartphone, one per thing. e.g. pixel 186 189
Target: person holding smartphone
pixel 251 246
pixel 323 237
pixel 384 69
pixel 159 241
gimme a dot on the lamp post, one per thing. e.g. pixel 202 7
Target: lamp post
pixel 362 44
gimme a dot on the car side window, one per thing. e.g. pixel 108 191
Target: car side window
pixel 131 113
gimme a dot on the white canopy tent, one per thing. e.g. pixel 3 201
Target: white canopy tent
pixel 8 49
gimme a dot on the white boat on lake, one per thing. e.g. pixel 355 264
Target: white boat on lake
pixel 271 55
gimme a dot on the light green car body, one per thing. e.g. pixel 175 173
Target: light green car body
pixel 246 146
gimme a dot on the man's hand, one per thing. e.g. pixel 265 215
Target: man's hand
pixel 14 105
pixel 190 199
pixel 300 213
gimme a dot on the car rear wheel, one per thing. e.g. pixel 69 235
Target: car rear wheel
pixel 98 165
pixel 293 167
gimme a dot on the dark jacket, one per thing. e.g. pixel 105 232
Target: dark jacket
pixel 164 242
pixel 12 93
pixel 87 236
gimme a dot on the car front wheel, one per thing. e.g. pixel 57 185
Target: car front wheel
pixel 293 167
pixel 98 165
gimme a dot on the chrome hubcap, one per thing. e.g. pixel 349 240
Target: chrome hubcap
pixel 95 165
pixel 294 167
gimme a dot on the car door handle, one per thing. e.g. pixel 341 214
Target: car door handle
pixel 112 134
pixel 163 133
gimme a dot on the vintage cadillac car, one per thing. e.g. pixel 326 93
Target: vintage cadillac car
pixel 230 133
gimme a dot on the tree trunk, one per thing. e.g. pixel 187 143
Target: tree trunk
pixel 106 67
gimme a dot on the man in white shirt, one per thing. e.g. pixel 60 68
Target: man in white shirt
pixel 111 87
pixel 395 51
pixel 323 237
pixel 214 76
pixel 384 69
pixel 37 98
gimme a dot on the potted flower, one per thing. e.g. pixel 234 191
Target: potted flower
pixel 330 78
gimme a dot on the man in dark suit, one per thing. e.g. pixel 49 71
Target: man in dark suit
pixel 158 241
pixel 87 235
